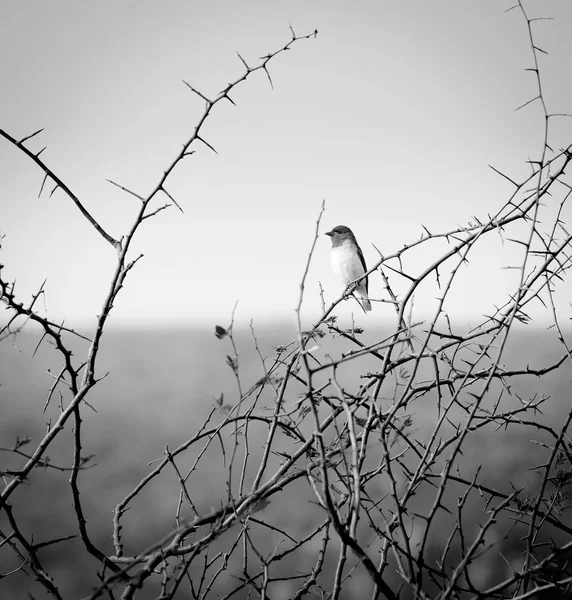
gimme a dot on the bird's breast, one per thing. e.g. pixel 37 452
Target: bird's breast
pixel 346 263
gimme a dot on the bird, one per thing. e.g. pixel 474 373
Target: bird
pixel 348 262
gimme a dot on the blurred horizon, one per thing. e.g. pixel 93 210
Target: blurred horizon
pixel 161 386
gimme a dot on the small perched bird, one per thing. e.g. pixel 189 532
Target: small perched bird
pixel 348 262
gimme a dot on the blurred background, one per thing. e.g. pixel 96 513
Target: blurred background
pixel 162 385
pixel 391 115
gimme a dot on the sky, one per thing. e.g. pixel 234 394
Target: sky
pixel 391 116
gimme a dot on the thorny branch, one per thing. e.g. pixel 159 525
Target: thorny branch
pixel 371 434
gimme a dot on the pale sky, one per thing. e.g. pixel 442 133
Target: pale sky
pixel 390 115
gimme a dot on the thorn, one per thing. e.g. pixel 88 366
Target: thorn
pixel 269 78
pixel 43 183
pixel 172 199
pixel 527 103
pixel 197 92
pixel 29 137
pixel 243 62
pixel 140 198
pixel 206 144
pixel 229 99
pixel 503 175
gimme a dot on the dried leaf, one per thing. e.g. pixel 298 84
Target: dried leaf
pixel 220 332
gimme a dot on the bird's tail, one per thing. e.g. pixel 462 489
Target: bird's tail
pixel 365 303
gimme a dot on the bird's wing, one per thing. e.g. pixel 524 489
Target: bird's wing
pixel 362 261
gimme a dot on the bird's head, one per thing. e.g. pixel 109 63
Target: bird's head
pixel 340 234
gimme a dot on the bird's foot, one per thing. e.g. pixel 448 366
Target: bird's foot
pixel 349 291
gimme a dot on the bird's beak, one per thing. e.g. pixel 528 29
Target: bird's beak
pixel 330 233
